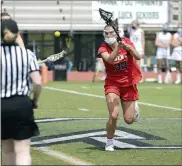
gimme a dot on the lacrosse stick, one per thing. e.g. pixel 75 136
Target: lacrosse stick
pixel 106 16
pixel 54 57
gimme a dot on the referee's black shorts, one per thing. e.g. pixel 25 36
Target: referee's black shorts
pixel 17 118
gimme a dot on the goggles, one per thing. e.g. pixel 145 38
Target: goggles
pixel 111 32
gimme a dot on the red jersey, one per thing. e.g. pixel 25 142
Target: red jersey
pixel 124 69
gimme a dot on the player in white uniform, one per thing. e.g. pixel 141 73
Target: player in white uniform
pixel 137 36
pixel 177 53
pixel 163 41
pixel 99 67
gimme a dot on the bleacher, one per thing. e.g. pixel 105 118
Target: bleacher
pixel 40 15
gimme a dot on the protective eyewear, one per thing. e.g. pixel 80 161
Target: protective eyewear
pixel 111 32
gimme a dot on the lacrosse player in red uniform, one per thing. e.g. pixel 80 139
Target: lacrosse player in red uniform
pixel 120 84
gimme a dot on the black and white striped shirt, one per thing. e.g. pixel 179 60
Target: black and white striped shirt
pixel 16 64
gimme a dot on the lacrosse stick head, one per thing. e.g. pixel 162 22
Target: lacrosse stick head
pixel 106 16
pixel 56 57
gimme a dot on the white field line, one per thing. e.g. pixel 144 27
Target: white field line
pixel 83 109
pixel 67 119
pixel 64 119
pixel 123 145
pixel 156 147
pixel 139 87
pixel 63 157
pixel 98 96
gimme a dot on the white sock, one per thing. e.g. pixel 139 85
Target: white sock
pixel 178 76
pixel 159 77
pixel 167 77
pixel 136 105
pixel 110 140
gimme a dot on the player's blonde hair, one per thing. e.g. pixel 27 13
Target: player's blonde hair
pixel 9 37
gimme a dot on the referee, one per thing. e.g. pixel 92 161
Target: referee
pixel 19 68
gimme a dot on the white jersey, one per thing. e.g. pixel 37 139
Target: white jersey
pixel 177 51
pixel 178 38
pixel 136 39
pixel 164 38
pixel 99 65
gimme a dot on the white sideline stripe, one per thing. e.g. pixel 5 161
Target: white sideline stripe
pixel 62 156
pixel 103 97
pixel 160 106
pixel 64 119
pixel 156 147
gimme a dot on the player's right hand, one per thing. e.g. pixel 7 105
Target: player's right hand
pixel 119 44
pixel 124 45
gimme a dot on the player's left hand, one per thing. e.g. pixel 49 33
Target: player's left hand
pixel 125 46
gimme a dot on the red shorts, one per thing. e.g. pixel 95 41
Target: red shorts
pixel 126 93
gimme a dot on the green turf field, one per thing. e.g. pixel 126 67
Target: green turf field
pixel 72 118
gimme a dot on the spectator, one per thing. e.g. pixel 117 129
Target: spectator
pixel 99 67
pixel 177 52
pixel 163 41
pixel 137 37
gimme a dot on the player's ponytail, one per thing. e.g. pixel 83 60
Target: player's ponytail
pixel 9 37
pixel 9 31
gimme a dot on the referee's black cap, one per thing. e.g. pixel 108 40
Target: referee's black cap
pixel 9 24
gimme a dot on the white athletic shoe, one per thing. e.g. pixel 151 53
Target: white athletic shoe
pixel 159 79
pixel 137 113
pixel 168 78
pixel 109 145
pixel 178 78
pixel 177 82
